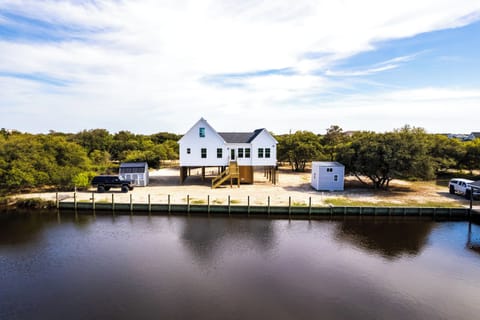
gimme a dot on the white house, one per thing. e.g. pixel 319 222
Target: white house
pixel 135 171
pixel 202 146
pixel 327 176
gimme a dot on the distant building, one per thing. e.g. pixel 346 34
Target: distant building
pixel 136 172
pixel 328 176
pixel 472 136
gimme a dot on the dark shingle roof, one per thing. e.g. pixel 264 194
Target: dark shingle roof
pixel 239 137
pixel 132 164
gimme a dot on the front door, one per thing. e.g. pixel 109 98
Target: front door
pixel 232 155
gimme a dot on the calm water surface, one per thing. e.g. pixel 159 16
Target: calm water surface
pixel 103 267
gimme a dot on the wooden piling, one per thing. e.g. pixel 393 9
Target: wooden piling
pixel 248 206
pixel 188 203
pixel 93 201
pixel 268 205
pixel 229 209
pixel 169 205
pixel 75 200
pixel 208 204
pixel 113 203
pixel 289 206
pixel 309 207
pixel 131 203
pixel 149 204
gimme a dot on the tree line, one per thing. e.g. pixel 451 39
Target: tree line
pixel 65 160
pixel 405 153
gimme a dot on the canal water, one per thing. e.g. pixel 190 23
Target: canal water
pixel 67 266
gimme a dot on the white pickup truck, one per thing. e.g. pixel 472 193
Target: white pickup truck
pixel 462 187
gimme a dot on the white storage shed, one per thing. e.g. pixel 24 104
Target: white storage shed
pixel 136 172
pixel 328 176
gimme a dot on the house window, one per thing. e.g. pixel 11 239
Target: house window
pixel 247 152
pixel 203 152
pixel 329 169
pixel 201 132
pixel 335 178
pixel 267 152
pixel 188 150
pixel 219 153
pixel 260 152
pixel 240 152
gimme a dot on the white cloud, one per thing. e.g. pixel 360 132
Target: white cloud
pixel 149 59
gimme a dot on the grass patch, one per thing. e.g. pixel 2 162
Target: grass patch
pixel 217 201
pixel 299 204
pixel 344 202
pixel 198 201
pixel 235 201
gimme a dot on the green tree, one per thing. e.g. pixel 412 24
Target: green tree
pixel 471 159
pixel 382 157
pixel 332 140
pixel 445 153
pixel 95 139
pixel 299 148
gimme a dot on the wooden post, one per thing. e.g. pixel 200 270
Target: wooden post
pixel 149 204
pixel 471 202
pixel 75 200
pixel 289 206
pixel 188 203
pixel 208 204
pixel 113 203
pixel 309 207
pixel 229 205
pixel 57 203
pixel 131 203
pixel 248 205
pixel 93 201
pixel 268 205
pixel 169 206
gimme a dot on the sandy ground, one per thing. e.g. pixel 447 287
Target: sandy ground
pixel 165 182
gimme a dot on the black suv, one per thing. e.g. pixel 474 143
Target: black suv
pixel 104 183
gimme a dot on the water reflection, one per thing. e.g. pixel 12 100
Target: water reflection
pixel 204 236
pixel 24 227
pixel 129 267
pixel 473 239
pixel 389 237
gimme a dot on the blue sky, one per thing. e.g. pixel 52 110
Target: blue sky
pixel 149 66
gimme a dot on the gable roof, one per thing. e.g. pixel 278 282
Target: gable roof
pixel 203 122
pixel 240 137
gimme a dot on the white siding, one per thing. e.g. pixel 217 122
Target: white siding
pixel 212 140
pixel 192 140
pixel 264 140
pixel 327 176
pixel 241 161
pixel 140 179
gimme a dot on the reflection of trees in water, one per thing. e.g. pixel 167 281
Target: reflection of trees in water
pixel 204 236
pixel 24 227
pixel 391 238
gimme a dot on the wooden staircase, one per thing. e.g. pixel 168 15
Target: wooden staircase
pixel 231 172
